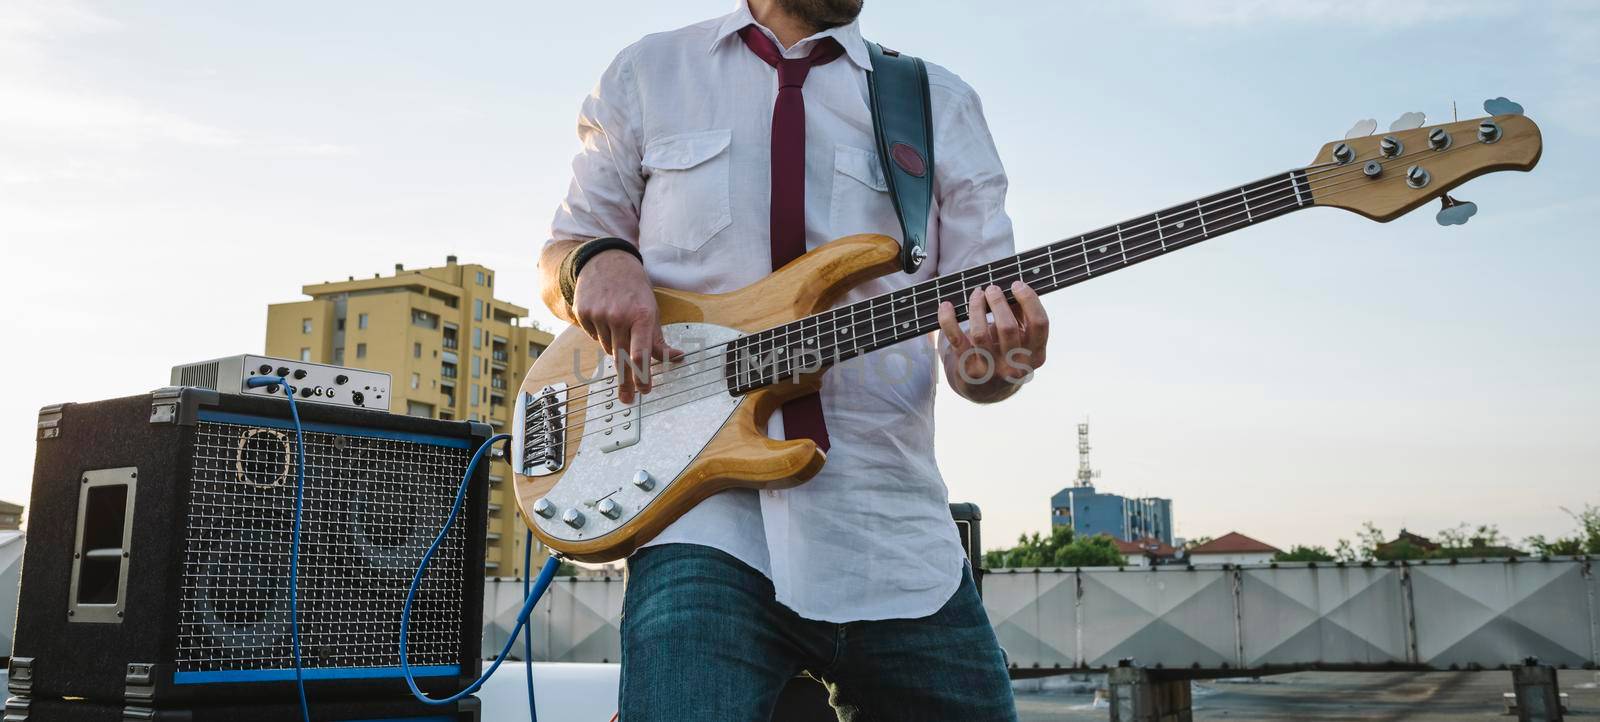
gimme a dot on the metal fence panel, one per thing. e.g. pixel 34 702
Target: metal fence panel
pixel 1492 613
pixel 1465 615
pixel 1172 616
pixel 1034 616
pixel 1327 615
pixel 578 620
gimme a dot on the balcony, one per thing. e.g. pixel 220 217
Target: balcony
pixel 452 342
pixel 497 383
pixel 492 536
pixel 500 357
pixel 448 371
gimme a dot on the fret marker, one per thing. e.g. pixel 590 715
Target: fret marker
pixel 1180 224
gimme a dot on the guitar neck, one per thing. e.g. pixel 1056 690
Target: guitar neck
pixel 842 333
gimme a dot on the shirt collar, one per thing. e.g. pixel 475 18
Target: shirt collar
pixel 848 36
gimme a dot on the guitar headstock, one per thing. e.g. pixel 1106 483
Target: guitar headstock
pixel 1384 176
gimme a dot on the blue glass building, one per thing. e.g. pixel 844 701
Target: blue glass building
pixel 1090 512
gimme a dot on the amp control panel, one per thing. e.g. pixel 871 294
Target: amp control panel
pixel 310 382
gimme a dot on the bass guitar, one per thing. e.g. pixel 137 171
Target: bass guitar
pixel 596 478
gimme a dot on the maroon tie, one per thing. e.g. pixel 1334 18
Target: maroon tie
pixel 802 417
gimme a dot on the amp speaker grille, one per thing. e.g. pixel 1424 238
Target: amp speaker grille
pixel 372 505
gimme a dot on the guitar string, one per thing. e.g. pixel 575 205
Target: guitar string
pixel 1087 268
pixel 1212 207
pixel 1351 168
pixel 1266 206
pixel 1180 239
pixel 1076 276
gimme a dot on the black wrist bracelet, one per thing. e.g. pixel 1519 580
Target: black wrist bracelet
pixel 573 264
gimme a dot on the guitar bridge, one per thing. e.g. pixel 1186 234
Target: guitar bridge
pixel 542 427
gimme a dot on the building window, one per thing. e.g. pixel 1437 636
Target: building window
pixel 424 319
pixel 361 320
pixel 418 408
pixel 339 324
pixel 477 309
pixel 491 281
pixel 416 350
pixel 338 355
pixel 480 278
pixel 474 399
pixel 305 325
pixel 305 354
pixel 361 350
pixel 416 380
pixel 475 369
pixel 477 338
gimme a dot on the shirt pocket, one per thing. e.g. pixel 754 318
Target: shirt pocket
pixel 860 202
pixel 686 199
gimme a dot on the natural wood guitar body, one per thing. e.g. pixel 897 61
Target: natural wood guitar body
pixel 740 454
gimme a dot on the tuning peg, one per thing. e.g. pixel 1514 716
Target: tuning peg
pixel 1453 212
pixel 1407 121
pixel 1361 128
pixel 1501 106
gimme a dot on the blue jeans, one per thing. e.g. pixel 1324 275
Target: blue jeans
pixel 704 639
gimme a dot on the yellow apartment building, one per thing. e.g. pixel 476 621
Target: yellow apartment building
pixel 454 352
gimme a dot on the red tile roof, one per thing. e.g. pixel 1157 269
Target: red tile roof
pixel 1234 543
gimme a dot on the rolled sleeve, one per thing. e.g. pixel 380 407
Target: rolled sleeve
pixel 971 186
pixel 607 180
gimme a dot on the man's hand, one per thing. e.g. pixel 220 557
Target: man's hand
pixel 615 304
pixel 990 360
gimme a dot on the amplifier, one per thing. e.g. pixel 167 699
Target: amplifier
pixel 21 709
pixel 312 383
pixel 156 572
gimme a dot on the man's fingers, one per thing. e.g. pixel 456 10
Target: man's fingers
pixel 1034 318
pixel 624 378
pixel 662 351
pixel 619 354
pixel 1005 322
pixel 978 319
pixel 951 327
pixel 643 338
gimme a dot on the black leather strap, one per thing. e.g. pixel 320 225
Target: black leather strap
pixel 902 121
pixel 573 264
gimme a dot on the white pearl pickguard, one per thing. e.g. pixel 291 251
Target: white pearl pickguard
pixel 674 421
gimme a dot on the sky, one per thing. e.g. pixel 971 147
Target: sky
pixel 167 169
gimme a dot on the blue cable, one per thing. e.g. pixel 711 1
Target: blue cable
pixel 546 574
pixel 527 634
pixel 294 537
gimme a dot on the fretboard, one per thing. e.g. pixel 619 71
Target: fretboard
pixel 842 333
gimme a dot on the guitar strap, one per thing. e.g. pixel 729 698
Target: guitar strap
pixel 902 121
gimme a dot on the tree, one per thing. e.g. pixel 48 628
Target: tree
pixel 1301 553
pixel 1095 551
pixel 1061 549
pixel 1585 541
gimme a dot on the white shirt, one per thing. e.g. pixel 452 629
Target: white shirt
pixel 676 157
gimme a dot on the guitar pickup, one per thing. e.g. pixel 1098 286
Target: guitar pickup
pixel 616 425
